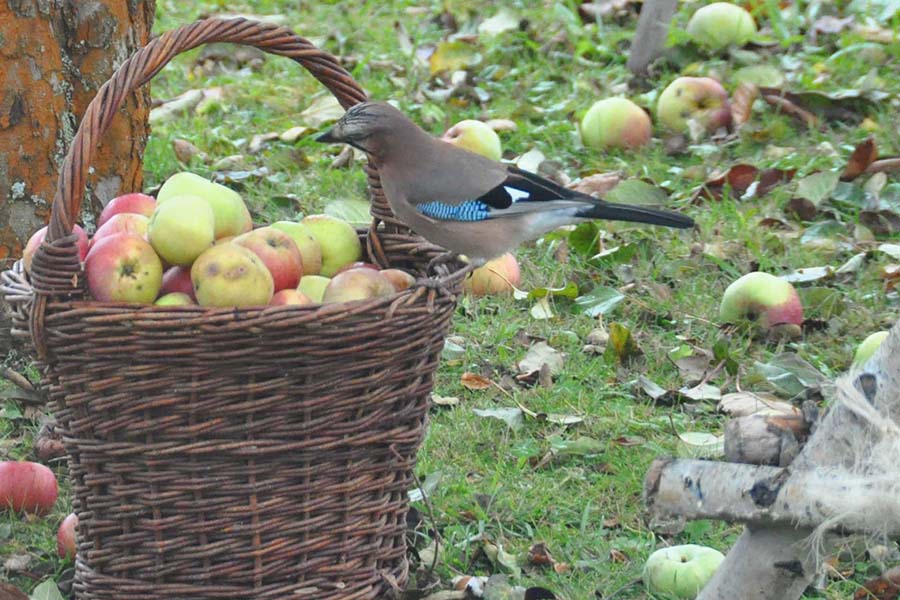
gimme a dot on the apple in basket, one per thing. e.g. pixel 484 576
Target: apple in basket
pixel 175 299
pixel 122 223
pixel 401 280
pixel 136 203
pixel 338 240
pixel 309 247
pixel 177 279
pixel 229 275
pixel 229 211
pixel 357 284
pixel 313 287
pixel 181 229
pixel 123 268
pixel 278 252
pixel 27 487
pixel 37 238
pixel 290 297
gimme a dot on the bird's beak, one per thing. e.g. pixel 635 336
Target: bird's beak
pixel 328 137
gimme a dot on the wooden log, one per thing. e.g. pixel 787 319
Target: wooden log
pixel 650 37
pixel 765 439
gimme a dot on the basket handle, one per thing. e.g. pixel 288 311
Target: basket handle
pixel 56 270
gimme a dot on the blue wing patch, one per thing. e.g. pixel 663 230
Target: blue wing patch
pixel 472 210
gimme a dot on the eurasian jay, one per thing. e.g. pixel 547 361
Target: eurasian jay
pixel 463 201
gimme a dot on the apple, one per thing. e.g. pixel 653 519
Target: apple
pixel 497 276
pixel 357 284
pixel 721 24
pixel 136 203
pixel 306 242
pixel 231 275
pixel 65 537
pixel 290 297
pixel 27 487
pixel 615 123
pixel 177 279
pixel 695 105
pixel 38 237
pixel 867 348
pixel 313 286
pixel 278 252
pixel 680 571
pixel 122 223
pixel 769 300
pixel 338 240
pixel 123 268
pixel 175 299
pixel 476 137
pixel 181 229
pixel 401 280
pixel 229 211
pixel 359 265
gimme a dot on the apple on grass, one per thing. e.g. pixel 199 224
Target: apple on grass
pixel 278 252
pixel 309 247
pixel 132 223
pixel 123 268
pixel 230 275
pixel 290 297
pixel 338 240
pixel 38 237
pixel 615 123
pixel 27 487
pixel 497 276
pixel 772 302
pixel 695 105
pixel 181 229
pixel 230 214
pixel 357 284
pixel 313 287
pixel 680 571
pixel 867 348
pixel 66 536
pixel 721 24
pixel 135 203
pixel 476 137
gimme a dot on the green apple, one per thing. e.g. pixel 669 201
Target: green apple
pixel 867 348
pixel 357 284
pixel 338 240
pixel 230 275
pixel 680 571
pixel 313 286
pixel 306 242
pixel 181 228
pixel 230 212
pixel 615 123
pixel 476 137
pixel 123 268
pixel 699 99
pixel 762 297
pixel 175 299
pixel 497 276
pixel 721 24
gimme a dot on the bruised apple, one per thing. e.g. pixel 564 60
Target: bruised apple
pixel 497 276
pixel 401 280
pixel 278 252
pixel 309 247
pixel 136 203
pixel 37 238
pixel 27 487
pixel 123 268
pixel 695 105
pixel 231 275
pixel 357 284
pixel 615 123
pixel 764 298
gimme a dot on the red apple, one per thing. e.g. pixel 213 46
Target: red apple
pixel 357 284
pixel 497 276
pixel 122 223
pixel 695 105
pixel 65 537
pixel 177 279
pixel 123 268
pixel 136 203
pixel 615 123
pixel 27 487
pixel 292 297
pixel 770 301
pixel 279 253
pixel 401 280
pixel 38 238
pixel 359 265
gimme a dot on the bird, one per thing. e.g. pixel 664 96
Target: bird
pixel 464 202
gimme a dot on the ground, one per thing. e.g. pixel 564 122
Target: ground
pixel 514 487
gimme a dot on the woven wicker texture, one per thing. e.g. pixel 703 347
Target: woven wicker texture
pixel 222 453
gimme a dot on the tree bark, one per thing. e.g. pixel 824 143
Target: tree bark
pixel 652 29
pixel 54 56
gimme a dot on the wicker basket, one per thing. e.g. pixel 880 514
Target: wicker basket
pixel 224 453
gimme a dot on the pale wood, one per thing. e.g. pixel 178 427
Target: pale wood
pixel 650 37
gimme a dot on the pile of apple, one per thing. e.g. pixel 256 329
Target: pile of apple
pixel 195 244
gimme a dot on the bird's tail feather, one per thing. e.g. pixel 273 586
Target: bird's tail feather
pixel 612 211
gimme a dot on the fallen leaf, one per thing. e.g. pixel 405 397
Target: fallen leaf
pixel 598 184
pixel 539 555
pixel 882 223
pixel 172 108
pixel 892 250
pixel 636 191
pixel 11 592
pixel 541 310
pixel 46 590
pixel 742 102
pixel 570 290
pixel 809 274
pixel 654 391
pixel 323 109
pixel 294 133
pixel 259 140
pixel 471 381
pixel 855 263
pixel 599 301
pixel 703 444
pixel 863 156
pixel 531 161
pixel 501 124
pixel 453 56
pixel 432 480
pixel 511 416
pixel 538 355
pixel 884 587
pixel 703 391
pixel 354 211
pixel 743 404
pixel 444 400
pixel 504 20
pixel 502 560
pixel 831 24
pixel 818 186
pixel 821 302
pixel 580 446
pixel 186 151
pixel 738 178
pixel 791 375
pixel 843 105
pixel 621 346
pixel 591 12
pixel 17 563
pixel 760 75
pixel 788 107
pixel 617 556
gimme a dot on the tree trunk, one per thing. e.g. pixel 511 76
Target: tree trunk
pixel 650 37
pixel 54 56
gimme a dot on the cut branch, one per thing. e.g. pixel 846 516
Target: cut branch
pixel 652 29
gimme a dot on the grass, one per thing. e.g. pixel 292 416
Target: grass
pixel 502 485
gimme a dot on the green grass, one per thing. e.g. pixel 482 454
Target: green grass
pixel 502 485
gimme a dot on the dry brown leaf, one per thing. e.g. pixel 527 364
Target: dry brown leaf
pixel 10 592
pixel 742 102
pixel 186 151
pixel 617 556
pixel 885 587
pixel 884 165
pixel 471 381
pixel 863 155
pixel 597 184
pixel 788 106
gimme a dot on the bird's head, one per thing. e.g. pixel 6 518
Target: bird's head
pixel 371 127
